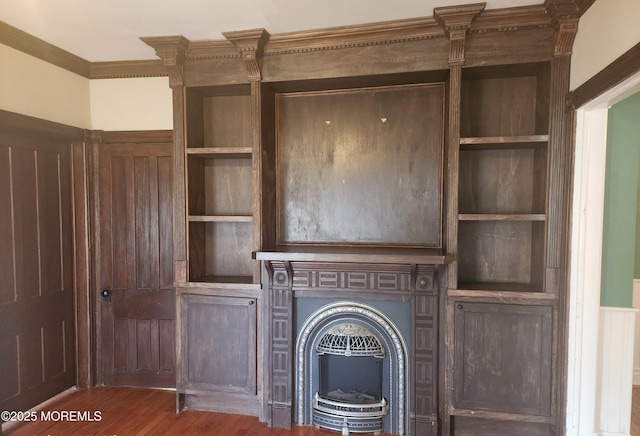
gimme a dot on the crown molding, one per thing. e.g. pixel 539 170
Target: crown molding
pixel 240 43
pixel 509 19
pixel 250 43
pixel 387 32
pixel 127 69
pixel 36 47
pixel 172 50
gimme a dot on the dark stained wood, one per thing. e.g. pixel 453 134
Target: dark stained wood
pixel 466 426
pixel 82 206
pixel 335 148
pixel 11 122
pixel 503 358
pixel 126 69
pixel 424 362
pixel 613 74
pixel 221 198
pixel 40 49
pixel 136 262
pixel 357 255
pixel 143 411
pixel 37 320
pixel 218 353
pixel 502 215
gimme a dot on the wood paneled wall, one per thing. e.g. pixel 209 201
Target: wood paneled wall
pixel 37 324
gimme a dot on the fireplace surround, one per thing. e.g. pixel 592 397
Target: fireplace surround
pixel 309 295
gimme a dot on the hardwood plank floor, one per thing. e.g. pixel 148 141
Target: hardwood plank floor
pixel 635 412
pixel 131 411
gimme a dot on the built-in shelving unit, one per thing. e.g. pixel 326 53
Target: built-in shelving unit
pixel 432 151
pixel 220 173
pixel 503 178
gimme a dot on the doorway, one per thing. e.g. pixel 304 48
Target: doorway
pixel 134 265
pixel 586 257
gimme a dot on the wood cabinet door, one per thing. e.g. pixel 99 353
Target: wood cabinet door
pixel 135 267
pixel 219 344
pixel 503 358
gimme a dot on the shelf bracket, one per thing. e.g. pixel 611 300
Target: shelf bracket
pixel 250 43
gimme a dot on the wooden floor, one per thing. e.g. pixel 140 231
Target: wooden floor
pixel 635 412
pixel 130 411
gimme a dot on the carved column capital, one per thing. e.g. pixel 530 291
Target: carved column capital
pixel 172 50
pixel 250 43
pixel 456 20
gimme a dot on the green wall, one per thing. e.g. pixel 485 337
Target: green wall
pixel 619 264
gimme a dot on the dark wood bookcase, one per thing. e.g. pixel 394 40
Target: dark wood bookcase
pixel 503 177
pixel 472 185
pixel 220 183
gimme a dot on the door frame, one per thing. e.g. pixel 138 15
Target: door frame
pixel 86 188
pixel 586 255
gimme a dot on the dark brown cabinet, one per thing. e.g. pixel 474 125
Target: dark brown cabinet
pixel 218 333
pixel 503 354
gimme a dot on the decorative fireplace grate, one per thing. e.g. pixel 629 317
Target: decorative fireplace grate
pixel 353 410
pixel 350 340
pixel 348 417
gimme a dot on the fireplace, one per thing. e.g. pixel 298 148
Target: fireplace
pixel 352 342
pixel 351 367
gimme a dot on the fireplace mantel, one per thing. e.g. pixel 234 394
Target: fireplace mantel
pixel 376 255
pixel 359 274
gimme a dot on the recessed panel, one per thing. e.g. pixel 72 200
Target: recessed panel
pixel 360 166
pixel 503 358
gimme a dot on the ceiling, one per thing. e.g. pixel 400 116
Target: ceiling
pixel 109 30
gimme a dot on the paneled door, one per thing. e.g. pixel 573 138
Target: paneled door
pixel 135 266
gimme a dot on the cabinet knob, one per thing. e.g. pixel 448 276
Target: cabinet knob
pixel 460 306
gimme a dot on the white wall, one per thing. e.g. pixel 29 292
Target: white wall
pixel 636 351
pixel 607 30
pixel 30 86
pixel 131 104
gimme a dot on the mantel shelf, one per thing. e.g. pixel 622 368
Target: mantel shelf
pixel 221 218
pixel 503 142
pixel 420 256
pixel 502 217
pixel 221 152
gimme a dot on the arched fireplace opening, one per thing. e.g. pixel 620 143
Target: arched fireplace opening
pixel 351 371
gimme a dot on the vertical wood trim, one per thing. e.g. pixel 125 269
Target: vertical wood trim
pixel 96 138
pixel 256 123
pixel 560 151
pixel 615 374
pixel 82 263
pixel 453 164
pixel 180 248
